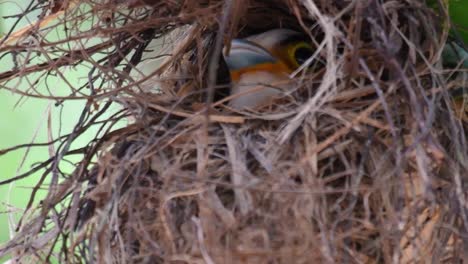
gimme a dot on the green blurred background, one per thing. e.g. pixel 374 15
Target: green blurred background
pixel 20 119
pixel 26 120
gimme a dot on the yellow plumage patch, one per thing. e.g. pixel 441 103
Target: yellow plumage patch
pixel 277 68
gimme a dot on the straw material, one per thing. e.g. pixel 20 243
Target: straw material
pixel 363 161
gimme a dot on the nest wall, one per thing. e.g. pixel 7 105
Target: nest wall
pixel 364 161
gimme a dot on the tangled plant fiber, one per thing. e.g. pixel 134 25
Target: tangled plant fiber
pixel 363 161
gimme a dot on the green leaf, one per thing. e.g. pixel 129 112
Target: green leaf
pixel 458 10
pixel 453 54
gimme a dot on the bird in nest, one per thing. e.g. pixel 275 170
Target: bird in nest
pixel 260 65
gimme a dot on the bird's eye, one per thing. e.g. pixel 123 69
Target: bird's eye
pixel 302 54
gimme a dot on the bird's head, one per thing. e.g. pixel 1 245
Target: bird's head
pixel 279 51
pixel 263 59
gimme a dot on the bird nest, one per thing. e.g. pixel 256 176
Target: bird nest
pixel 363 161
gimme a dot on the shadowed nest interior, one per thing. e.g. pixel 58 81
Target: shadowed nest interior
pixel 363 161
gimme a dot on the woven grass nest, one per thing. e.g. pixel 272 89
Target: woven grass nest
pixel 363 162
